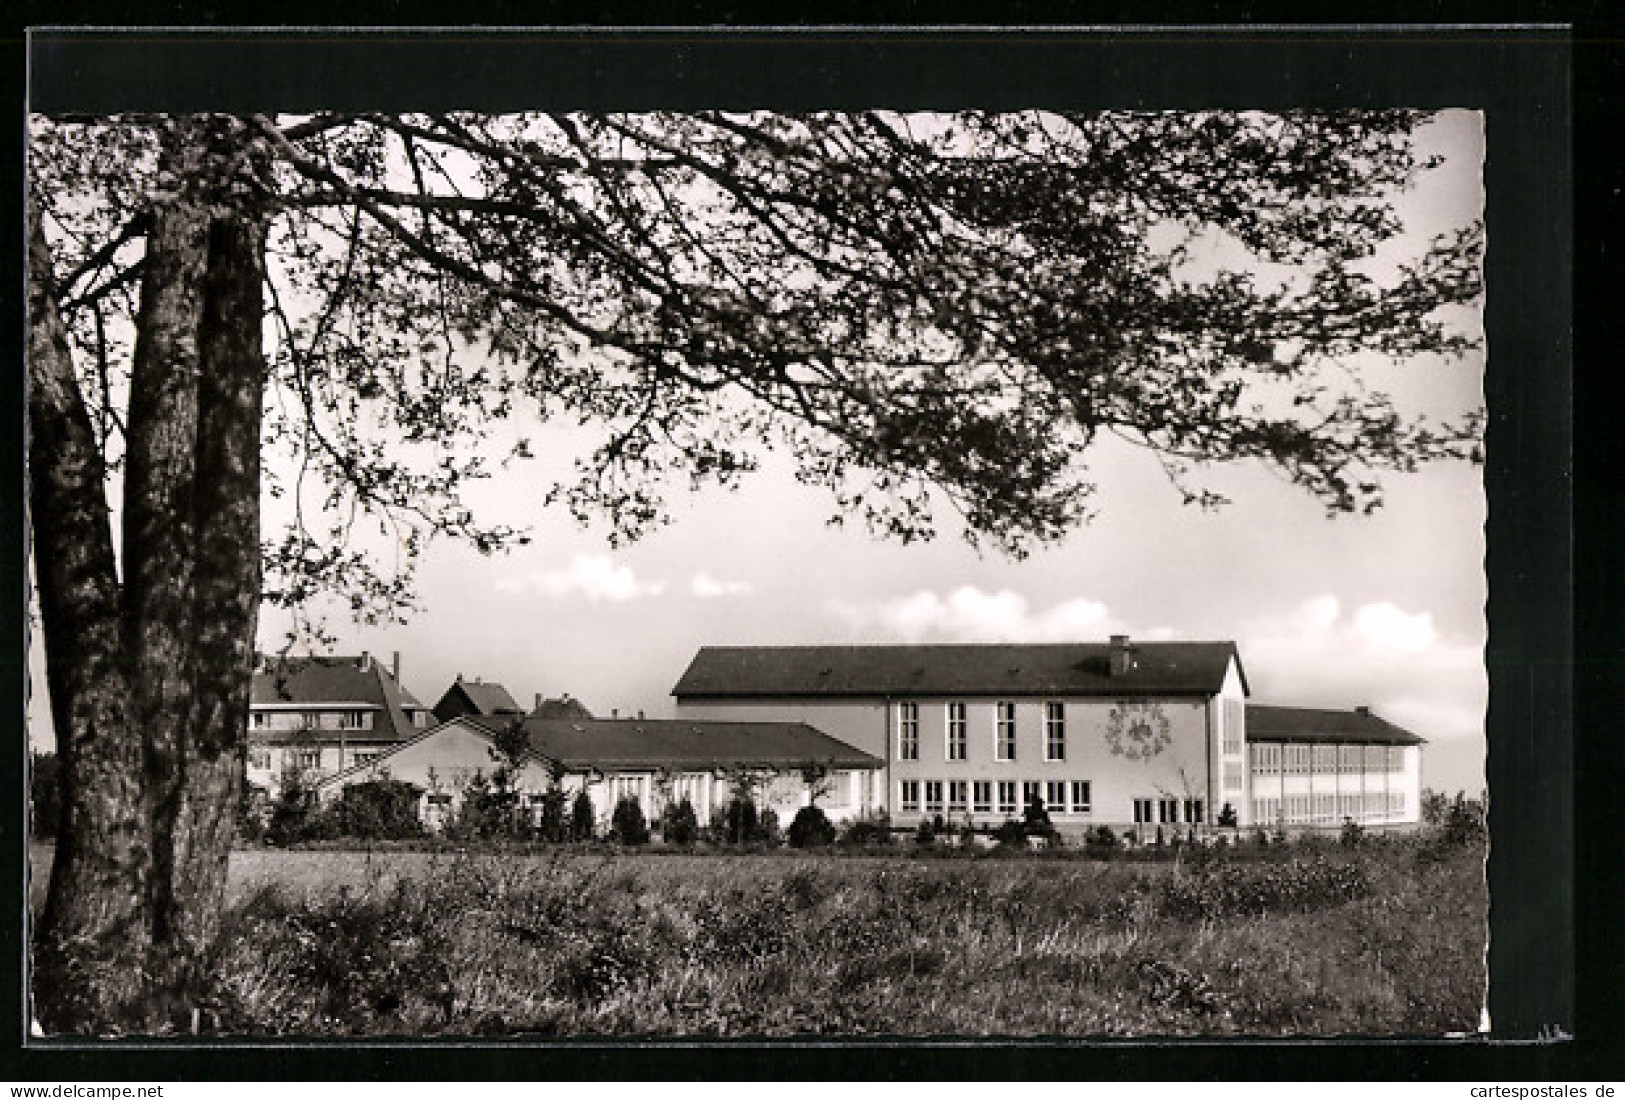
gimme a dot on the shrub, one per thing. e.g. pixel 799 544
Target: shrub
pixel 1353 833
pixel 811 829
pixel 737 822
pixel 1101 837
pixel 583 826
pixel 1227 816
pixel 767 829
pixel 552 824
pixel 925 835
pixel 1464 821
pixel 384 809
pixel 627 825
pixel 293 813
pixel 862 832
pixel 1010 834
pixel 1035 819
pixel 679 825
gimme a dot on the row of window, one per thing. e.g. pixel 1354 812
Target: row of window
pixel 1167 811
pixel 302 760
pixel 1299 809
pixel 1234 724
pixel 324 719
pixel 1290 759
pixel 986 796
pixel 958 731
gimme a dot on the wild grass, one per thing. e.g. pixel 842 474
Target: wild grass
pixel 1384 939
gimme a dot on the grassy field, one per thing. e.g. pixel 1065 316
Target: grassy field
pixel 1385 939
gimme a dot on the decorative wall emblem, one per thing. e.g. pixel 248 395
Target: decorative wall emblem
pixel 1137 731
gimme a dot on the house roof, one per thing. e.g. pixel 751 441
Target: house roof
pixel 1307 724
pixel 567 707
pixel 1160 668
pixel 338 681
pixel 610 743
pixel 480 698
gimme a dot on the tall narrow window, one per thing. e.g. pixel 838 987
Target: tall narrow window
pixel 933 796
pixel 957 801
pixel 1004 732
pixel 908 731
pixel 1031 792
pixel 956 731
pixel 1142 811
pixel 1054 731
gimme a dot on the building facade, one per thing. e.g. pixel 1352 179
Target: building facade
pixel 314 717
pixel 1310 768
pixel 1135 736
pixel 655 762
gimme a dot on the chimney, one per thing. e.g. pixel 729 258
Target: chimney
pixel 1122 657
pixel 538 705
pixel 365 661
pixel 640 714
pixel 1364 711
pixel 614 712
pixel 395 666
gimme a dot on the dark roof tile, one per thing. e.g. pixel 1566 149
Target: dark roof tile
pixel 1308 724
pixel 1160 668
pixel 338 680
pixel 681 743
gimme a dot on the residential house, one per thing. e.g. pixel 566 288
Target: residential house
pixel 318 716
pixel 1319 768
pixel 1134 735
pixel 563 707
pixel 656 762
pixel 475 697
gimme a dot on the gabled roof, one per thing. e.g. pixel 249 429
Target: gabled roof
pixel 476 697
pixel 1308 724
pixel 338 681
pixel 1160 668
pixel 627 743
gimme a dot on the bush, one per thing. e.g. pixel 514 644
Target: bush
pixel 811 829
pixel 1035 819
pixel 552 825
pixel 627 825
pixel 1010 834
pixel 862 832
pixel 1353 833
pixel 1464 821
pixel 583 826
pixel 1102 838
pixel 293 816
pixel 679 825
pixel 384 809
pixel 767 829
pixel 1227 816
pixel 925 835
pixel 737 823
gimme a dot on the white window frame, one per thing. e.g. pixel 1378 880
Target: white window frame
pixel 1082 796
pixel 1053 787
pixel 1011 804
pixel 908 731
pixel 908 796
pixel 933 796
pixel 1004 732
pixel 981 796
pixel 1055 732
pixel 958 796
pixel 958 731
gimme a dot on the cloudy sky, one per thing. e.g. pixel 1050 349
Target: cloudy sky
pixel 1385 610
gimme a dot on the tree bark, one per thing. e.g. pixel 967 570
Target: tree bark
pixel 226 580
pixel 90 946
pixel 159 517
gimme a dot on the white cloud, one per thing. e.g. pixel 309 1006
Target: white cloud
pixel 1381 655
pixel 707 587
pixel 594 577
pixel 969 614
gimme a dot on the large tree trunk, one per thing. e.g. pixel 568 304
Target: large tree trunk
pixel 226 580
pixel 91 943
pixel 151 683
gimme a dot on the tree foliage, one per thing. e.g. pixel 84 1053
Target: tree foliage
pixel 930 313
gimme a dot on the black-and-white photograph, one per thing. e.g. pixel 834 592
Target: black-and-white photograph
pixel 735 573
